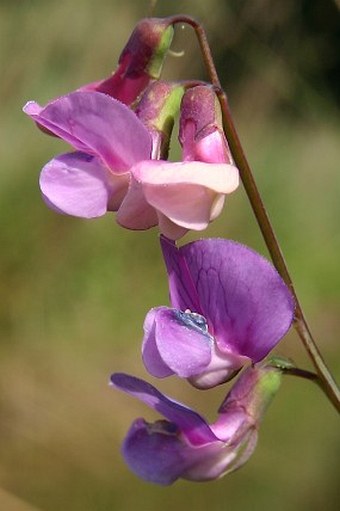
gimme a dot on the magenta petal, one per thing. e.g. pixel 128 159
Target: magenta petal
pixel 77 184
pixel 120 87
pixel 151 357
pixel 246 303
pixel 189 422
pixel 183 293
pixel 96 123
pixel 182 341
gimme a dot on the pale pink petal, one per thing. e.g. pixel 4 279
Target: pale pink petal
pixel 185 205
pixel 218 177
pixel 217 207
pixel 188 193
pixel 169 228
pixel 222 368
pixel 212 148
pixel 135 212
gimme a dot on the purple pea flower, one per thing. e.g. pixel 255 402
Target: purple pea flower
pixel 229 307
pixel 185 445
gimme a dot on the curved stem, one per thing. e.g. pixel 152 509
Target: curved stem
pixel 327 381
pixel 302 373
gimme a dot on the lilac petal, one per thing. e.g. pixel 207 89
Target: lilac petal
pixel 183 341
pixel 96 123
pixel 36 112
pixel 151 357
pixel 189 422
pixel 157 453
pixel 155 456
pixel 77 184
pixel 246 303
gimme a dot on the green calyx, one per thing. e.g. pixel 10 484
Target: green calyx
pixel 166 118
pixel 155 65
pixel 266 385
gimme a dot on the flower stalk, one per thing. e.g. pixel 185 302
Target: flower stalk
pixel 327 382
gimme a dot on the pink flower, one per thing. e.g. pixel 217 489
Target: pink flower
pixel 112 169
pixel 189 194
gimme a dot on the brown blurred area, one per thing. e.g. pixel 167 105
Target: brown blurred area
pixel 74 293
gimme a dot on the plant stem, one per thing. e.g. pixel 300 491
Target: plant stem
pixel 327 381
pixel 302 373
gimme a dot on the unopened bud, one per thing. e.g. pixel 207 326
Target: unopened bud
pixel 157 110
pixel 201 133
pixel 140 62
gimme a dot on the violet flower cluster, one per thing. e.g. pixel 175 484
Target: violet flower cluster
pixel 229 307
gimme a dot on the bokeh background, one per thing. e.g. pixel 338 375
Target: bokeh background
pixel 74 293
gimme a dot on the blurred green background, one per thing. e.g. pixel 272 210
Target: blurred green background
pixel 75 293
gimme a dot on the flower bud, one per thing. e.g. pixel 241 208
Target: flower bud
pixel 140 62
pixel 201 133
pixel 157 109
